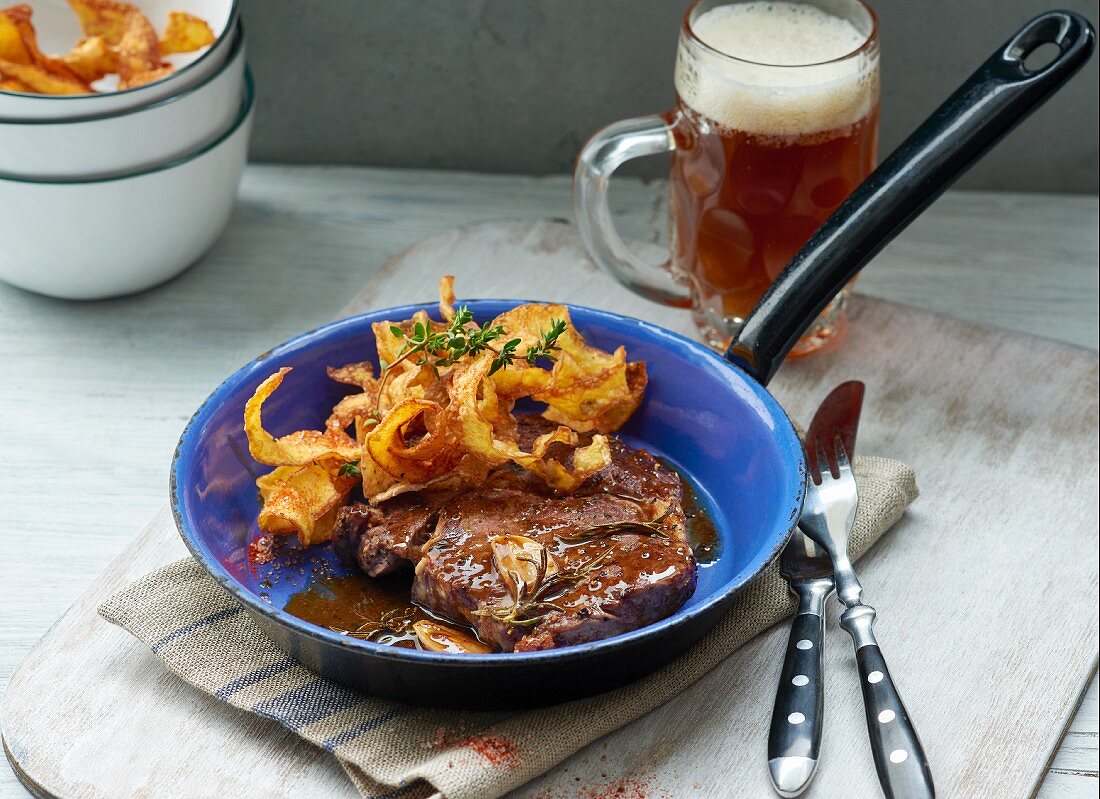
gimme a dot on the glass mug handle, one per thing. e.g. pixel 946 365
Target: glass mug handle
pixel 598 159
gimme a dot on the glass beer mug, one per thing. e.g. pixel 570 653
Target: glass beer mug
pixel 776 122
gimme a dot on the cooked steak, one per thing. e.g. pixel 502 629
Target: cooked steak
pixel 382 540
pixel 617 581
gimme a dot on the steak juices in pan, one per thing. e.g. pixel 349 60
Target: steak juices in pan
pixel 523 532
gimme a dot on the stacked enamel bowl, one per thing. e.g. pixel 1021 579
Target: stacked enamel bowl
pixel 111 193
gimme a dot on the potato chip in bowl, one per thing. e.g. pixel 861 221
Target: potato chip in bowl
pixel 68 59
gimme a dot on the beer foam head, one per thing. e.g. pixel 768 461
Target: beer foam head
pixel 784 78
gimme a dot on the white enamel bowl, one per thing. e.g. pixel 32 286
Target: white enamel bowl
pixel 58 30
pixel 128 140
pixel 91 239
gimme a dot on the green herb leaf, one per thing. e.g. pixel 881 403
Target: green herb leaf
pixel 463 338
pixel 350 469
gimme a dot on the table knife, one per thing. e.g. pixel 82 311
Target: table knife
pixel 795 734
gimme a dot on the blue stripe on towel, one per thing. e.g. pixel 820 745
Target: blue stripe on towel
pixel 205 621
pixel 365 727
pixel 253 677
pixel 307 704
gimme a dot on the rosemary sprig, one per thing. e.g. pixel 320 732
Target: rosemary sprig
pixel 610 528
pixel 655 527
pixel 528 608
pixel 397 621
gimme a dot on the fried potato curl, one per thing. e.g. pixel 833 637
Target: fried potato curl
pixel 438 411
pixel 118 38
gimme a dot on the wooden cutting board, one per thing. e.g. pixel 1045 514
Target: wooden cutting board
pixel 986 591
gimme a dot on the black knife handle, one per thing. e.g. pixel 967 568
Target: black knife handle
pixel 900 761
pixel 795 735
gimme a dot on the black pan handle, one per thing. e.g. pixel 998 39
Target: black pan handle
pixel 992 101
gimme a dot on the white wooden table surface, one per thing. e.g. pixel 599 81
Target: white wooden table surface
pixel 93 396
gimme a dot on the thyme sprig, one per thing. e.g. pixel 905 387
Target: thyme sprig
pixel 464 338
pixel 349 469
pixel 548 343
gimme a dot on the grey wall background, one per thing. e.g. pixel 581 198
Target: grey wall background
pixel 518 85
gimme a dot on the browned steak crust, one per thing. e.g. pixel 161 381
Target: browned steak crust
pixel 446 535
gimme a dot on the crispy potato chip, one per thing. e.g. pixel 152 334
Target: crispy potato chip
pixel 12 45
pixel 357 409
pixel 434 451
pixel 521 380
pixel 447 297
pixel 185 33
pixel 431 420
pixel 476 416
pixel 389 346
pixel 147 76
pixel 474 398
pixel 123 27
pixel 468 473
pixel 296 449
pixel 417 382
pixel 13 85
pixel 613 416
pixel 353 374
pixel 374 478
pixel 351 410
pixel 587 388
pixel 587 460
pixel 105 18
pixel 302 500
pixel 91 59
pixel 42 81
pixel 139 54
pixel 118 38
pixel 527 323
pixel 19 45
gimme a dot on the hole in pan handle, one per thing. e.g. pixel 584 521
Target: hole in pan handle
pixel 999 95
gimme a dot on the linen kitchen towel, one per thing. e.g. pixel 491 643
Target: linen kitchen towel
pixel 398 751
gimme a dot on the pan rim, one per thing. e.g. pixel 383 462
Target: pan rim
pixel 787 439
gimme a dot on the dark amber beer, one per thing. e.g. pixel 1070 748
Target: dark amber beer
pixel 776 122
pixel 769 141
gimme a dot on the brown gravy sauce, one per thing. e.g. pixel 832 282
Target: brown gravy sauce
pixel 380 609
pixel 702 535
pixel 357 604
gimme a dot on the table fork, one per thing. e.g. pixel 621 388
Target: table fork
pixel 827 518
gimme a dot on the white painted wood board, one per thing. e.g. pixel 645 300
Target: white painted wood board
pixel 990 675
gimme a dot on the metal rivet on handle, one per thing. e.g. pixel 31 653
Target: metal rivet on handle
pixel 886 716
pixel 796 718
pixel 899 756
pixel 800 680
pixel 874 677
pixel 805 643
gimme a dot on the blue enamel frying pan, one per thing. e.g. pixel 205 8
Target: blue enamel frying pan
pixel 711 416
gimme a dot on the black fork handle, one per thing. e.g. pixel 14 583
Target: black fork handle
pixel 1000 94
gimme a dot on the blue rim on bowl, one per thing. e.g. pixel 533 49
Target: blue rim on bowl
pixel 185 460
pixel 234 50
pixel 247 102
pixel 230 26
